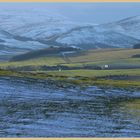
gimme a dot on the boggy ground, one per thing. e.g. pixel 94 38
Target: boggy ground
pixel 82 80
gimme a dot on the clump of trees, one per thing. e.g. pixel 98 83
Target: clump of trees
pixel 137 46
pixel 136 56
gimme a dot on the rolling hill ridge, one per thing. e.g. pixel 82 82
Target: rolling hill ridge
pixel 20 33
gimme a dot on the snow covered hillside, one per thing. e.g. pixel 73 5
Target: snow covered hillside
pixel 32 30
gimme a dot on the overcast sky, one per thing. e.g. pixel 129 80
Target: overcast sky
pixel 83 12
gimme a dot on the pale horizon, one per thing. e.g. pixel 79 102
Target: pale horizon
pixel 97 13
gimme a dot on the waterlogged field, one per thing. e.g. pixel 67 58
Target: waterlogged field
pixel 31 108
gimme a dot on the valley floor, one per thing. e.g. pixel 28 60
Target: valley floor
pixel 105 67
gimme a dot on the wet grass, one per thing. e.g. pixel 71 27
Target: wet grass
pixel 132 108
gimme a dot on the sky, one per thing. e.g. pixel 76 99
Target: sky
pixel 96 13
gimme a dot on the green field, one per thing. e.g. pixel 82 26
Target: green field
pixel 91 57
pixel 111 57
pixel 95 73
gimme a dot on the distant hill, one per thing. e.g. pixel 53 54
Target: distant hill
pixel 137 46
pixel 26 33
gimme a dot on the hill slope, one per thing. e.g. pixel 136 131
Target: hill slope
pixel 21 32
